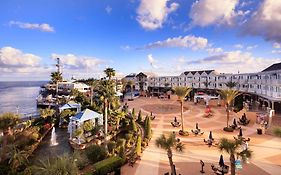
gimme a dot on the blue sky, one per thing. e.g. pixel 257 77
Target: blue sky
pixel 164 37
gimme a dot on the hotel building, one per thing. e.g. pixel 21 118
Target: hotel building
pixel 262 88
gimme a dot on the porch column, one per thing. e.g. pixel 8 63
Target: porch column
pixel 272 108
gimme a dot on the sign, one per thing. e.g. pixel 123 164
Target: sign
pixel 238 165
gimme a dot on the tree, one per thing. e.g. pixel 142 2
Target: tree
pixel 139 117
pixel 88 126
pixel 131 84
pixel 182 92
pixel 79 133
pixel 109 72
pixel 133 125
pixel 231 84
pixel 229 96
pixel 233 148
pixel 7 122
pixel 56 77
pixel 169 143
pixel 147 127
pixel 48 112
pixel 133 113
pixel 63 165
pixel 17 159
pixel 138 146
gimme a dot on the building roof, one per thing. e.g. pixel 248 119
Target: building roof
pixel 141 75
pixel 131 76
pixel 273 67
pixel 70 105
pixel 200 72
pixel 85 115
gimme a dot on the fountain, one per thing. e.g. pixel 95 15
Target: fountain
pixel 54 137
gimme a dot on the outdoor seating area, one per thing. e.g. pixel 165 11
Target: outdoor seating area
pixel 240 137
pixel 243 120
pixel 175 123
pixel 234 125
pixel 210 141
pixel 197 130
pixel 221 168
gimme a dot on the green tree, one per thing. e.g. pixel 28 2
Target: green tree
pixel 18 158
pixel 138 145
pixel 131 84
pixel 231 84
pixel 7 122
pixel 229 96
pixel 79 133
pixel 96 153
pixel 133 125
pixel 182 92
pixel 233 148
pixel 148 131
pixel 109 72
pixel 139 117
pixel 63 165
pixel 88 126
pixel 133 113
pixel 56 77
pixel 45 113
pixel 169 143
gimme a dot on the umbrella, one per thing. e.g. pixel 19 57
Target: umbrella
pixel 221 162
pixel 240 133
pixel 234 122
pixel 211 136
pixel 175 120
pixel 197 126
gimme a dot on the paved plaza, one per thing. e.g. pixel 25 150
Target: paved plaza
pixel 266 149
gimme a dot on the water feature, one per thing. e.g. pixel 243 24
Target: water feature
pixel 45 149
pixel 54 137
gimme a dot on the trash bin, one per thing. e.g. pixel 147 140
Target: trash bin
pixel 259 131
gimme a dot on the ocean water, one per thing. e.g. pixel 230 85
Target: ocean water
pixel 19 96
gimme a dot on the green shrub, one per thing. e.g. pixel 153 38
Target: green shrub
pixel 121 142
pixel 138 146
pixel 133 113
pixel 133 126
pixel 96 153
pixel 108 165
pixel 147 127
pixel 277 132
pixel 122 152
pixel 111 146
pixel 139 117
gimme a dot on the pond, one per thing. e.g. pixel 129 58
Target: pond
pixel 54 144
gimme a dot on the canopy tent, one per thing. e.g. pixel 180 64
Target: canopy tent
pixel 71 105
pixel 206 98
pixel 87 114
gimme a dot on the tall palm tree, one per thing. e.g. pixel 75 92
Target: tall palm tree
pixel 169 143
pixel 48 112
pixel 231 84
pixel 229 96
pixel 109 72
pixel 63 165
pixel 106 95
pixel 182 92
pixel 7 122
pixel 234 148
pixel 56 77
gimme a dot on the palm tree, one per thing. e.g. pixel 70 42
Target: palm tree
pixel 7 122
pixel 231 84
pixel 107 95
pixel 234 148
pixel 169 143
pixel 63 165
pixel 109 72
pixel 18 158
pixel 229 96
pixel 182 92
pixel 48 112
pixel 56 77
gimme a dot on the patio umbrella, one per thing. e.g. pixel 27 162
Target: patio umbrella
pixel 210 135
pixel 221 162
pixel 197 127
pixel 234 122
pixel 240 133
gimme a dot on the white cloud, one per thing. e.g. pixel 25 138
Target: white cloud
pixel 108 9
pixel 15 58
pixel 42 27
pixel 251 47
pixel 208 12
pixel 71 61
pixel 231 62
pixel 188 41
pixel 152 61
pixel 266 21
pixel 153 13
pixel 126 47
pixel 277 45
pixel 215 50
pixel 238 46
pixel 276 51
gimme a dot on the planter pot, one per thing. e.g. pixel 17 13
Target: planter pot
pixel 228 129
pixel 183 133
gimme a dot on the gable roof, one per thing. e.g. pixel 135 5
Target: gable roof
pixel 85 115
pixel 276 66
pixel 200 72
pixel 141 75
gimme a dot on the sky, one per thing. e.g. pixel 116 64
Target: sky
pixel 163 37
